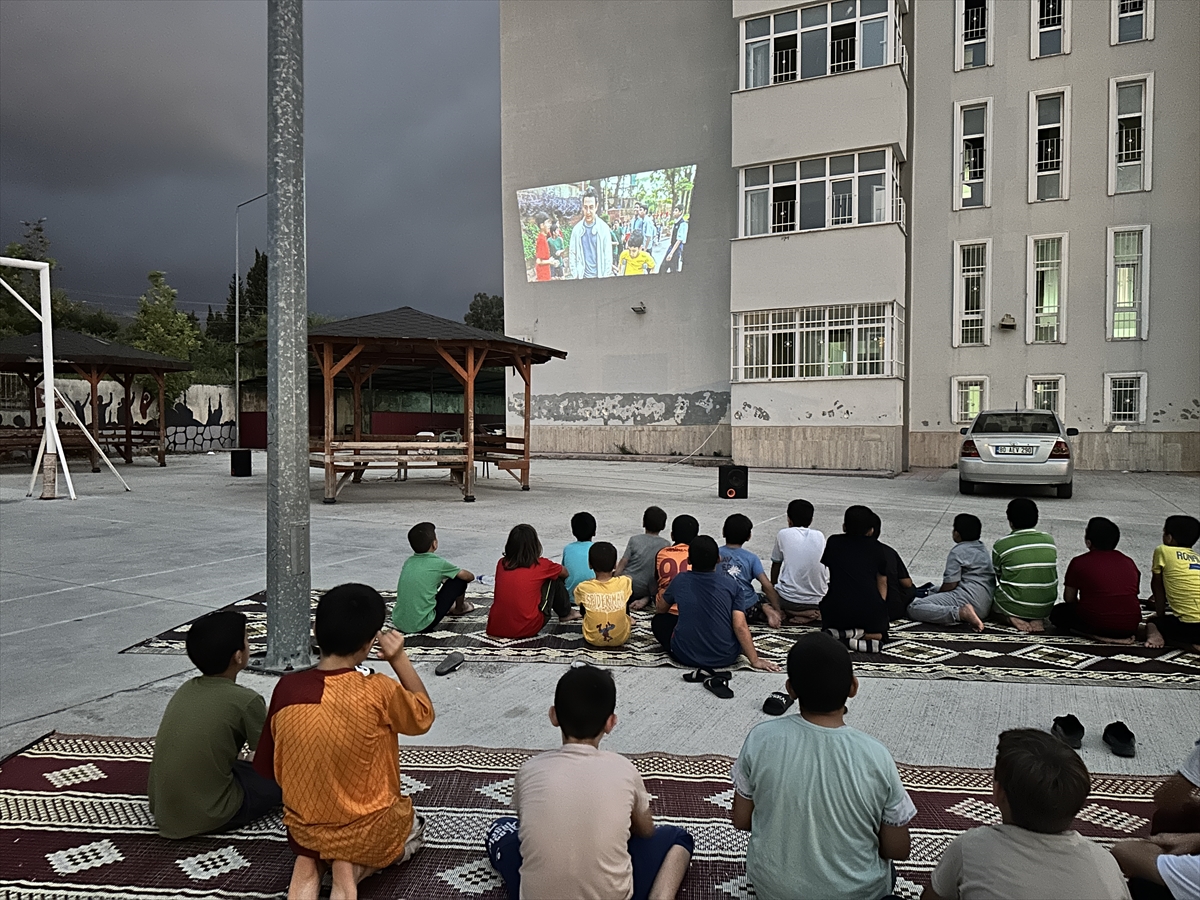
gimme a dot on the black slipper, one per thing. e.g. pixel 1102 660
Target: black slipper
pixel 1069 730
pixel 1120 739
pixel 778 703
pixel 449 664
pixel 720 687
pixel 700 675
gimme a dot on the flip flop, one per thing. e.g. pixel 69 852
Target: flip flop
pixel 449 664
pixel 778 703
pixel 720 687
pixel 700 675
pixel 470 608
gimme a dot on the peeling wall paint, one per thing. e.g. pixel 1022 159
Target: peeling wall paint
pixel 699 408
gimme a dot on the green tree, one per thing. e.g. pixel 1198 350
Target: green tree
pixel 161 328
pixel 486 312
pixel 64 312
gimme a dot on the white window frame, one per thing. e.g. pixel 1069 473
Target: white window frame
pixel 1035 32
pixel 988 104
pixel 1065 130
pixel 1108 413
pixel 1031 284
pixel 955 415
pixel 1029 395
pixel 1111 283
pixel 1147 23
pixel 960 13
pixel 959 297
pixel 1147 130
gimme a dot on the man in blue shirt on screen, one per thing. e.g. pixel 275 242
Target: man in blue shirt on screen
pixel 591 242
pixel 679 231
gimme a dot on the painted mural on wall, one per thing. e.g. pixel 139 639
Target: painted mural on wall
pixel 698 408
pixel 201 419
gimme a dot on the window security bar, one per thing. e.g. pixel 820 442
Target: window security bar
pixel 972 163
pixel 841 55
pixel 1049 154
pixel 1051 14
pixel 785 66
pixel 1130 143
pixel 975 24
pixel 783 215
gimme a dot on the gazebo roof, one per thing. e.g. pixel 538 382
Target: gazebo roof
pixel 411 328
pixel 23 353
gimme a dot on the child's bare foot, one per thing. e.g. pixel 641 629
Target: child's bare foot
pixel 346 877
pixel 1109 640
pixel 968 615
pixel 306 879
pixel 774 619
pixel 572 616
pixel 807 617
pixel 640 603
pixel 1033 626
pixel 1154 638
pixel 460 608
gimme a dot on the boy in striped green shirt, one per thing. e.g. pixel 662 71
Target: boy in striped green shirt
pixel 1026 564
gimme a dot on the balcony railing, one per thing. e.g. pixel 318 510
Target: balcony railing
pixel 1130 144
pixel 841 55
pixel 841 213
pixel 975 24
pixel 785 66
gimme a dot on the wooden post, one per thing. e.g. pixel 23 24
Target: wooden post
pixel 356 379
pixel 327 373
pixel 469 417
pixel 162 418
pixel 127 383
pixel 94 381
pixel 526 370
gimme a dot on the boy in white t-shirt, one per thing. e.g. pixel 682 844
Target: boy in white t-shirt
pixel 796 571
pixel 583 827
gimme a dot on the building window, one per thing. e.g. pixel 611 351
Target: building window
pixel 968 396
pixel 1050 28
pixel 1124 398
pixel 972 285
pixel 1044 392
pixel 1049 150
pixel 827 192
pixel 826 39
pixel 973 19
pixel 1132 20
pixel 973 122
pixel 1128 282
pixel 1130 116
pixel 1047 289
pixel 851 340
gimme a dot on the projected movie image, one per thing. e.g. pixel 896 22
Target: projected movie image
pixel 624 225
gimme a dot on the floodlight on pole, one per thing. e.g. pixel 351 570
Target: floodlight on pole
pixel 237 319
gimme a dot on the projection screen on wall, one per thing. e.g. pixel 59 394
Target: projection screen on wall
pixel 623 225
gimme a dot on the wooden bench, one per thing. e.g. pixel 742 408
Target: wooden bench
pixel 350 459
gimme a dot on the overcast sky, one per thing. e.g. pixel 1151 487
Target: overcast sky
pixel 135 128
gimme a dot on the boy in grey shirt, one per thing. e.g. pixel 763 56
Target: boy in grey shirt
pixel 967 585
pixel 640 553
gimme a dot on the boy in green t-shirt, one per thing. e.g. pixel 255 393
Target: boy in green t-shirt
pixel 1026 566
pixel 197 784
pixel 429 588
pixel 1175 586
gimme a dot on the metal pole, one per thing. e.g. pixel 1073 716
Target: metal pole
pixel 54 447
pixel 237 319
pixel 288 574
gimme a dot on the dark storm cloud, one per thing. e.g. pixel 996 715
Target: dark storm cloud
pixel 135 128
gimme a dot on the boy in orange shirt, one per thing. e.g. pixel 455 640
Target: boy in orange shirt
pixel 330 743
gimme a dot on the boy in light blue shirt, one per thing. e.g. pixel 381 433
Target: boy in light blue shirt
pixel 575 554
pixel 746 568
pixel 809 768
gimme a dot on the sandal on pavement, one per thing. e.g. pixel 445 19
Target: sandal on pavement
pixel 1120 739
pixel 778 703
pixel 1069 730
pixel 699 676
pixel 449 664
pixel 720 687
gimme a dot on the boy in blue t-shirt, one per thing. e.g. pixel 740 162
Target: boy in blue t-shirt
pixel 575 554
pixel 745 567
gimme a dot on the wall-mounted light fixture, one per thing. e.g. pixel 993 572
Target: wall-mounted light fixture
pixel 640 309
pixel 1007 322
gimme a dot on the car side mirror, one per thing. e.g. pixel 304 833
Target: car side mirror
pixel 1072 432
pixel 962 431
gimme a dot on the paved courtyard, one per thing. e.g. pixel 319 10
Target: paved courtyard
pixel 81 580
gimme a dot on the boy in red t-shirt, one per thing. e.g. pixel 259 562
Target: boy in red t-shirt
pixel 1101 589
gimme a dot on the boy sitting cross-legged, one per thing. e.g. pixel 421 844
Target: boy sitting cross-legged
pixel 330 742
pixel 583 827
pixel 967 584
pixel 429 588
pixel 1175 585
pixel 745 568
pixel 822 801
pixel 1026 565
pixel 604 600
pixel 1040 785
pixel 640 553
pixel 197 783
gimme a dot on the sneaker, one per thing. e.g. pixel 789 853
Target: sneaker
pixel 1069 730
pixel 1120 739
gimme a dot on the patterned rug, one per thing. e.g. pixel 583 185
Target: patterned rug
pixel 75 823
pixel 916 650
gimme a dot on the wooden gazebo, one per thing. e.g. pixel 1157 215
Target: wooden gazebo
pixel 93 359
pixel 405 338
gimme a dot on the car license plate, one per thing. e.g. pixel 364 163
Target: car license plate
pixel 1015 450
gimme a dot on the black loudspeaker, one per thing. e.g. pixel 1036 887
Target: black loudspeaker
pixel 239 463
pixel 732 482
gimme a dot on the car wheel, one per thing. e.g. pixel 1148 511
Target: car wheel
pixel 1065 490
pixel 965 487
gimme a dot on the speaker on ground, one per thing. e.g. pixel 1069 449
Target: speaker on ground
pixel 732 482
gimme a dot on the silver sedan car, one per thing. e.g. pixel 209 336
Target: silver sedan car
pixel 1021 446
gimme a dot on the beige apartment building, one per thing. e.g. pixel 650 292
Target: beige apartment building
pixel 902 215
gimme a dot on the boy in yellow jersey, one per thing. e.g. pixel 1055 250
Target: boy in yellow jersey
pixel 635 261
pixel 604 599
pixel 1175 584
